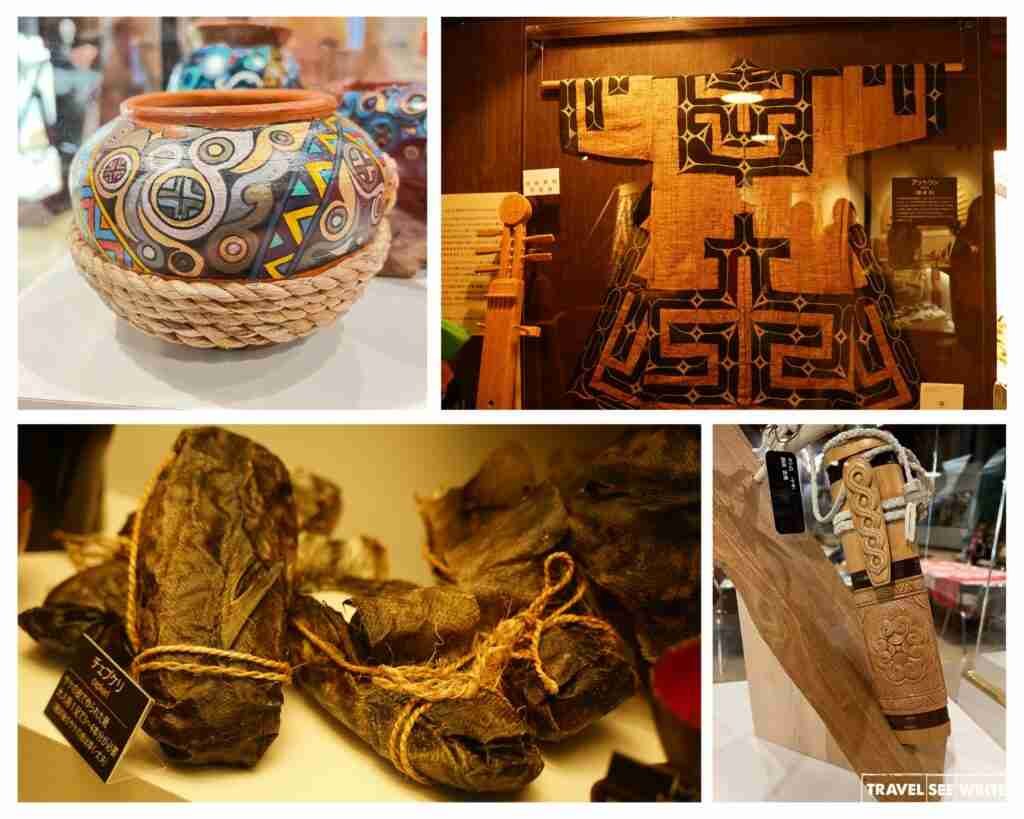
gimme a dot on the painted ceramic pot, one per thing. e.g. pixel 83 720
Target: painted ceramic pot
pixel 237 54
pixel 249 187
pixel 395 115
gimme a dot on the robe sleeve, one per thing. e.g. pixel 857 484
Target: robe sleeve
pixel 891 104
pixel 607 116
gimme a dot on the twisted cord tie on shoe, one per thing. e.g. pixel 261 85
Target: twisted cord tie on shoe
pixel 516 637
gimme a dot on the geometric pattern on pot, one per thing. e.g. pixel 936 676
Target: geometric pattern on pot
pixel 266 202
pixel 395 116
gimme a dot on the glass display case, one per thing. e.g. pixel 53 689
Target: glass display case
pixel 871 215
pixel 983 691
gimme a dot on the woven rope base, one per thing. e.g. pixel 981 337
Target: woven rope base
pixel 226 314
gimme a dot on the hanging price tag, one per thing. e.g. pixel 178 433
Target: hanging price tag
pixel 97 706
pixel 784 488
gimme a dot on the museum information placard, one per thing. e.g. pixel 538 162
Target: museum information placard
pixel 97 706
pixel 924 200
pixel 463 288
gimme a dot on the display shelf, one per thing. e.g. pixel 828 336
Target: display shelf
pixel 747 768
pixel 314 758
pixel 74 352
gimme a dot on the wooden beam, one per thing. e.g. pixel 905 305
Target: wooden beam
pixel 551 86
pixel 697 26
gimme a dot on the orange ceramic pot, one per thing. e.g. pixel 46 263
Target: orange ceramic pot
pixel 250 185
pixel 231 186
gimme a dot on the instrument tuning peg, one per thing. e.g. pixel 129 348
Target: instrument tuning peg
pixel 529 330
pixel 487 269
pixel 489 233
pixel 541 239
pixel 538 257
pixel 486 251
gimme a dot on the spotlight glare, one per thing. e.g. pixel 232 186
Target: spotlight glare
pixel 741 97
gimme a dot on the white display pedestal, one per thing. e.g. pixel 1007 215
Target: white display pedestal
pixel 314 758
pixel 74 352
pixel 989 666
pixel 747 768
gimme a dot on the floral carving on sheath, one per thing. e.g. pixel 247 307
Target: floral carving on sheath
pixel 899 649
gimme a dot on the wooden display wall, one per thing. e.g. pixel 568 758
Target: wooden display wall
pixel 496 122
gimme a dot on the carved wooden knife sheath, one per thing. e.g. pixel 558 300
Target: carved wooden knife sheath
pixel 889 594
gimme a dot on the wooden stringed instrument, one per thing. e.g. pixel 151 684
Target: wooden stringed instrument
pixel 500 385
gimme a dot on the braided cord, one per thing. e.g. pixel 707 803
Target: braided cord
pixel 917 489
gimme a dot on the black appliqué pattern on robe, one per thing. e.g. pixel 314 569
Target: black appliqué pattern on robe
pixel 634 317
pixel 796 152
pixel 935 97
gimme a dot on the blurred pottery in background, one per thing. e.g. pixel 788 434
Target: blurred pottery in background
pixel 395 116
pixel 187 196
pixel 237 54
pixel 408 254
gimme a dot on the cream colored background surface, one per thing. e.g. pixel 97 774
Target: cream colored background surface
pixel 379 468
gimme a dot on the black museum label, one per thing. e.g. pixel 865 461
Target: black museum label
pixel 924 200
pixel 97 706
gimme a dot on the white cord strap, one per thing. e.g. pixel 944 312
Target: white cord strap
pixel 917 490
